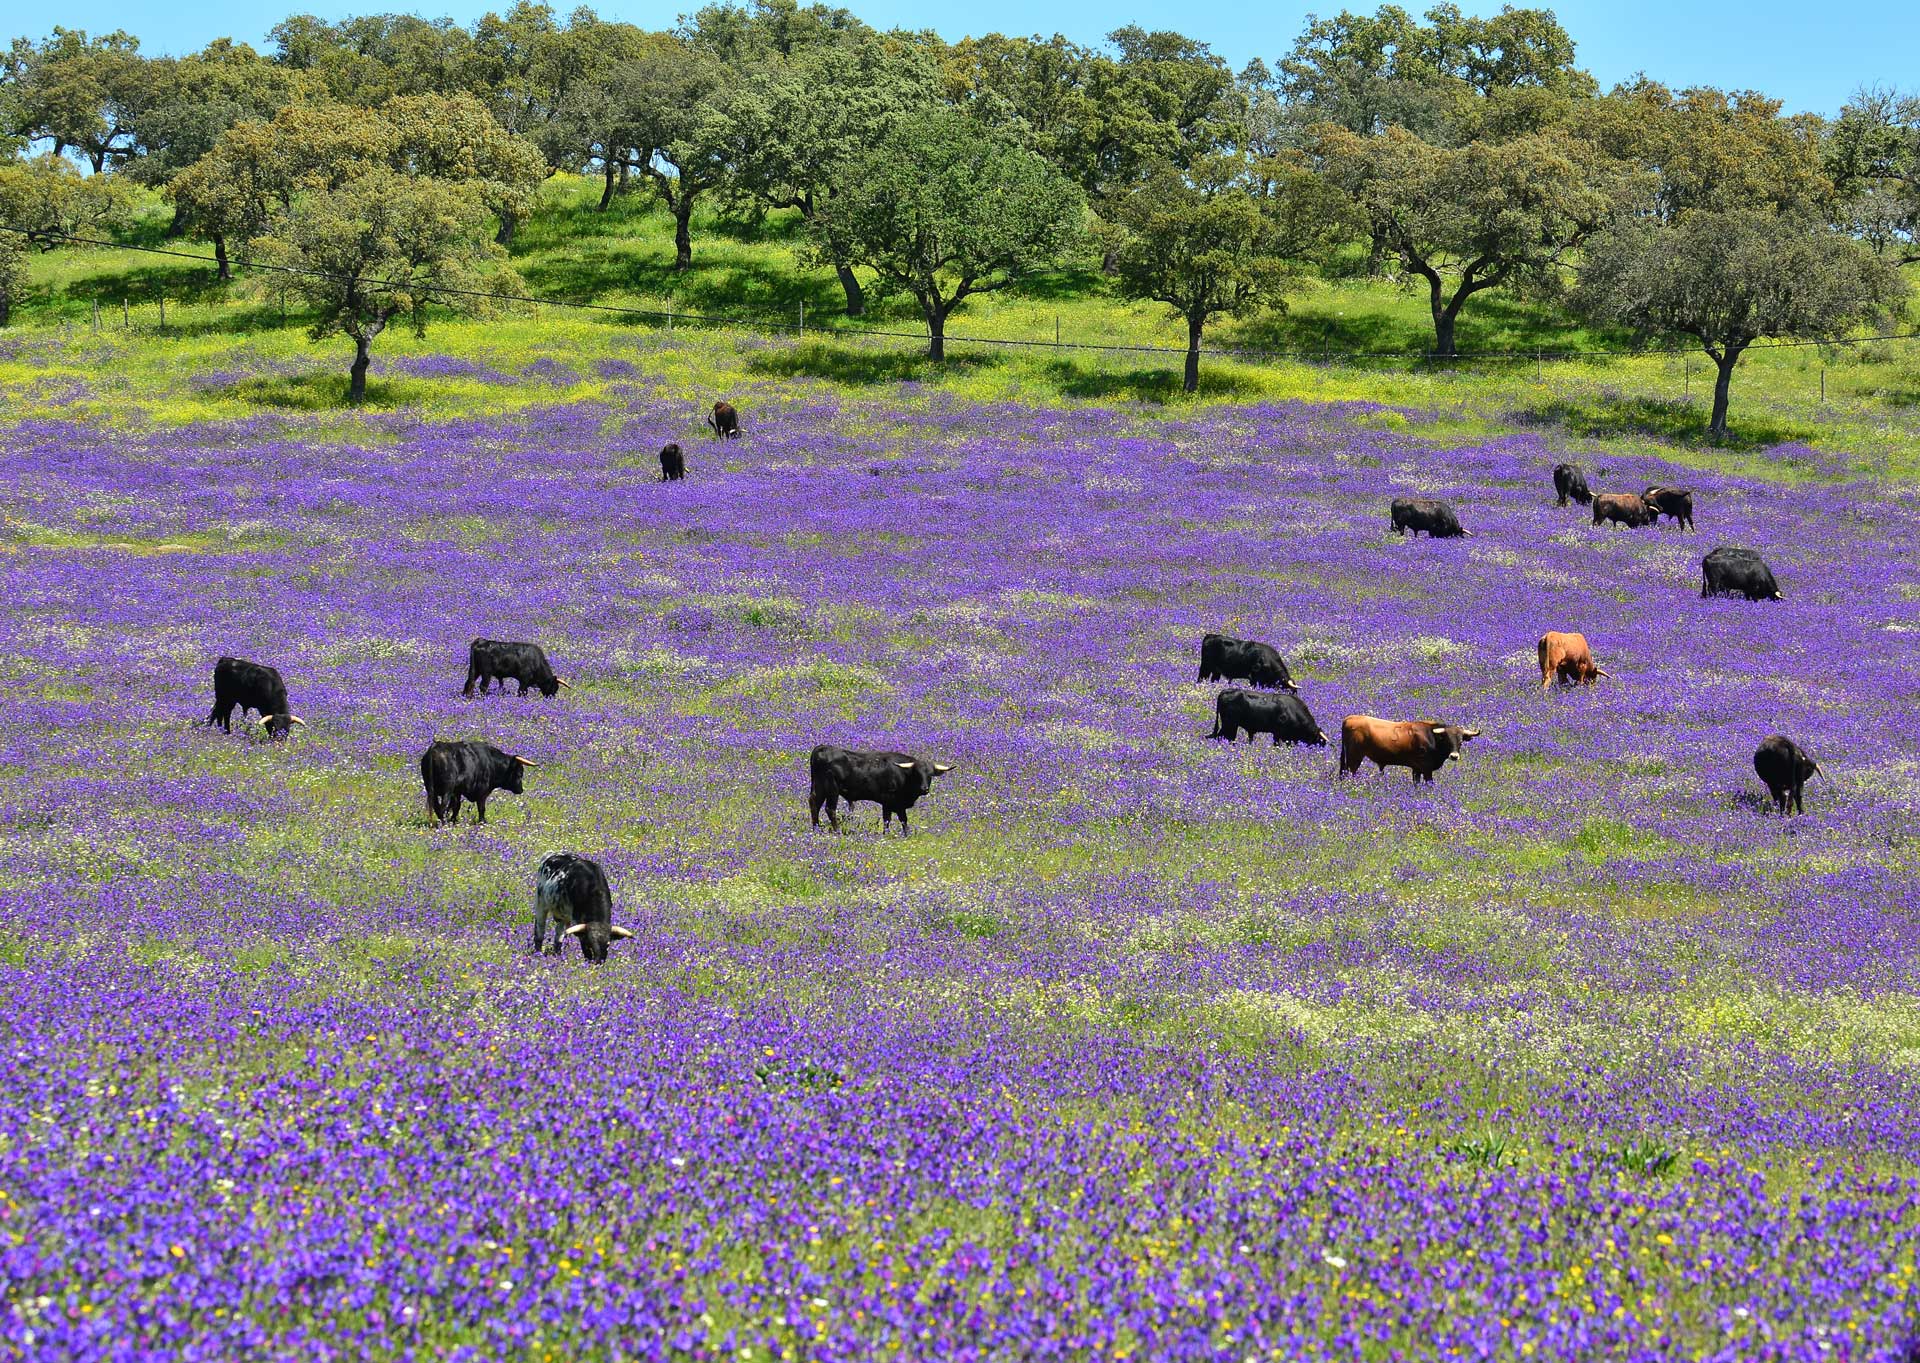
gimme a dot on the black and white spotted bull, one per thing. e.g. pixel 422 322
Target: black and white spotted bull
pixel 572 890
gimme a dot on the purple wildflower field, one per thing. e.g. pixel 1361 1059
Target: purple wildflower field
pixel 1139 1046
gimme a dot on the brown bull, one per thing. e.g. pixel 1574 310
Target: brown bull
pixel 1567 657
pixel 1421 746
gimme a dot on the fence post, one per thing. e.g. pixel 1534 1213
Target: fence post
pixel 1539 366
pixel 801 330
pixel 1823 385
pixel 126 315
pixel 669 314
pixel 1056 330
pixel 96 317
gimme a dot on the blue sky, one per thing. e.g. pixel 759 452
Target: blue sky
pixel 1811 55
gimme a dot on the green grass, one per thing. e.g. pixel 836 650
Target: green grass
pixel 1858 405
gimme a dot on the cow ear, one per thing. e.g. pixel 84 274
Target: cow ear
pixel 576 929
pixel 619 934
pixel 907 766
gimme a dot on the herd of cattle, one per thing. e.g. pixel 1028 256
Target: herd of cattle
pixel 572 890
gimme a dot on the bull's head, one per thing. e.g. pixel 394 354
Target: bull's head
pixel 926 770
pixel 1453 738
pixel 280 725
pixel 511 779
pixel 596 937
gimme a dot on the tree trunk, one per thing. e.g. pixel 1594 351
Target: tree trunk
pixel 6 306
pixel 683 232
pixel 220 255
pixel 362 356
pixel 1376 252
pixel 1443 342
pixel 1722 385
pixel 936 333
pixel 606 195
pixel 177 228
pixel 504 237
pixel 856 300
pixel 1191 382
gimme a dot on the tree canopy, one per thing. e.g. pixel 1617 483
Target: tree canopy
pixel 944 209
pixel 1472 218
pixel 1730 277
pixel 1220 238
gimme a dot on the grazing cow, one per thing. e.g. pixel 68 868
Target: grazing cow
pixel 1286 717
pixel 724 422
pixel 1227 659
pixel 452 772
pixel 500 661
pixel 1423 513
pixel 251 686
pixel 1567 657
pixel 893 780
pixel 572 890
pixel 1570 481
pixel 1623 508
pixel 1676 502
pixel 1422 746
pixel 1785 769
pixel 1728 571
pixel 672 467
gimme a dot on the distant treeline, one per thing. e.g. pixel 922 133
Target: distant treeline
pixel 384 157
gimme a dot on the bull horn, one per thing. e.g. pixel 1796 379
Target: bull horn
pixel 1601 672
pixel 1437 728
pixel 295 719
pixel 1470 733
pixel 907 766
pixel 619 934
pixel 942 768
pixel 526 761
pixel 576 930
pixel 563 683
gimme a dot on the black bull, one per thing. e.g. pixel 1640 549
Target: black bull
pixel 893 780
pixel 452 772
pixel 1284 716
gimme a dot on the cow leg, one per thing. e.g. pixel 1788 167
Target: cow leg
pixel 904 830
pixel 813 808
pixel 540 923
pixel 1799 806
pixel 481 805
pixel 467 690
pixel 1276 738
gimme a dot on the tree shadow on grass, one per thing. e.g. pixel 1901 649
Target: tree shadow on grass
pixel 321 392
pixel 1611 413
pixel 1158 385
pixel 861 365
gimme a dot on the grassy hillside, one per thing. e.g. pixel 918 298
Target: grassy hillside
pixel 1366 337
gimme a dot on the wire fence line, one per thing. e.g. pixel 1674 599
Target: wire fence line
pixel 764 323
